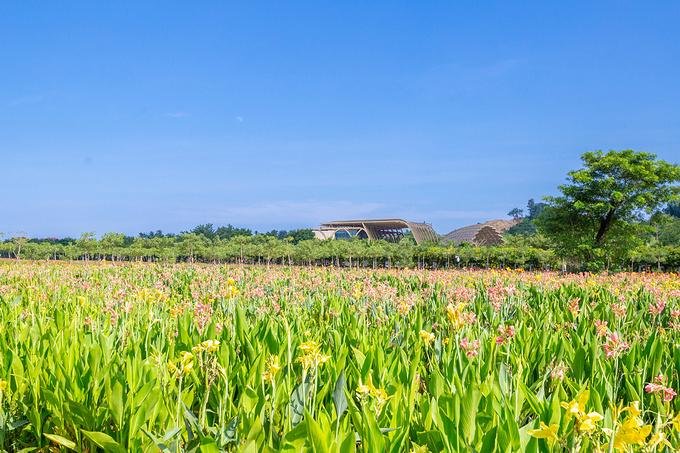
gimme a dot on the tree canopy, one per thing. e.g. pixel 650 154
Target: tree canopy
pixel 604 203
pixel 527 227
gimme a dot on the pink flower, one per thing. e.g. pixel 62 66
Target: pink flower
pixel 558 371
pixel 619 310
pixel 505 333
pixel 573 306
pixel 601 328
pixel 615 346
pixel 658 308
pixel 668 395
pixel 469 348
pixel 652 388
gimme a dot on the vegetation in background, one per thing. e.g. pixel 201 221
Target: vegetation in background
pixel 527 227
pixel 608 218
pixel 602 209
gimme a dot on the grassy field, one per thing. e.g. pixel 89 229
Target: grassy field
pixel 115 358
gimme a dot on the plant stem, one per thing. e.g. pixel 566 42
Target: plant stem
pixel 179 399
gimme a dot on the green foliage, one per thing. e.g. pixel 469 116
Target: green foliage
pixel 602 207
pixel 672 209
pixel 516 213
pixel 92 358
pixel 527 227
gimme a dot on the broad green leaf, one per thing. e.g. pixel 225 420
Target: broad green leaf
pixel 468 412
pixel 372 435
pixel 298 401
pixel 61 441
pixel 116 404
pixel 104 441
pixel 339 399
pixel 315 435
pixel 208 445
pixel 489 441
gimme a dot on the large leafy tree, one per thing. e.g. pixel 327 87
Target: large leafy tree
pixel 603 203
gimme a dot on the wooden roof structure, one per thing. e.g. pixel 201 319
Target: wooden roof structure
pixel 481 234
pixel 392 230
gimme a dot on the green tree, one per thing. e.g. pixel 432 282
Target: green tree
pixel 19 240
pixel 604 203
pixel 672 209
pixel 190 245
pixel 87 244
pixel 206 230
pixel 230 232
pixel 110 242
pixel 527 227
pixel 516 213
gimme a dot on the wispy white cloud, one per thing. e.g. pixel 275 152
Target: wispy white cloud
pixel 445 221
pixel 454 79
pixel 283 213
pixel 30 99
pixel 239 119
pixel 176 115
pixel 463 215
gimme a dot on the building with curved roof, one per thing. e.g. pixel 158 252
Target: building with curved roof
pixel 481 234
pixel 392 230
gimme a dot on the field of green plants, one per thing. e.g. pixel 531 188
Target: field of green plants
pixel 210 358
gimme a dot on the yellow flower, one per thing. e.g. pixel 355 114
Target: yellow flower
pixel 632 423
pixel 272 368
pixel 312 355
pixel 588 422
pixel 172 368
pixel 625 437
pixel 658 440
pixel 187 357
pixel 187 367
pixel 545 433
pixel 211 345
pixel 577 408
pixel 308 346
pixel 676 422
pixel 3 385
pixel 382 398
pixel 634 409
pixel 630 432
pixel 454 314
pixel 428 337
pixel 368 388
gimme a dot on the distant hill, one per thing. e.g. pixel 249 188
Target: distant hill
pixel 500 225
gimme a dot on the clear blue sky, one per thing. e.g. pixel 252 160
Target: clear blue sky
pixel 137 116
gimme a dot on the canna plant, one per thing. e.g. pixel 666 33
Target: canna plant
pixel 179 358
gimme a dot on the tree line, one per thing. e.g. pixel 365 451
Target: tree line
pixel 620 211
pixel 520 251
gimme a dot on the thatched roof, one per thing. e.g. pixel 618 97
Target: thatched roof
pixel 481 234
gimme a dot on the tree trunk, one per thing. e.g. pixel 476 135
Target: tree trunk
pixel 605 224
